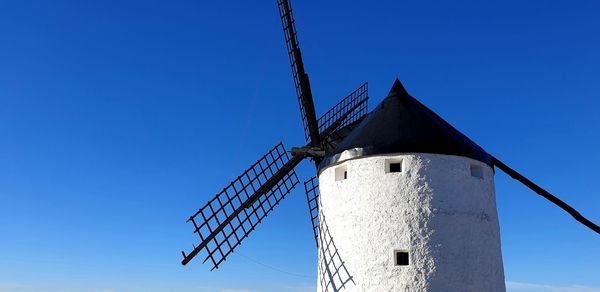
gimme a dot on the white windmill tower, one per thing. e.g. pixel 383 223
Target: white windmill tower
pixel 408 201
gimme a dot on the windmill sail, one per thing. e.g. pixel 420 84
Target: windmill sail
pixel 345 115
pixel 354 105
pixel 305 99
pixel 334 274
pixel 311 187
pixel 233 213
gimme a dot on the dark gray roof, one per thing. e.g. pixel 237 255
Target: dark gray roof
pixel 401 124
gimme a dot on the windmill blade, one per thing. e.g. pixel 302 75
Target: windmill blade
pixel 540 191
pixel 334 274
pixel 345 115
pixel 305 99
pixel 311 187
pixel 233 213
pixel 352 108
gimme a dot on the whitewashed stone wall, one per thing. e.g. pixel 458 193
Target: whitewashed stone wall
pixel 435 209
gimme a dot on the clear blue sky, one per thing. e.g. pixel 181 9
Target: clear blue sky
pixel 119 118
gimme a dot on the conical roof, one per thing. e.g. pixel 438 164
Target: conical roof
pixel 401 124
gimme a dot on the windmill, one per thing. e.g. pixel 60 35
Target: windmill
pixel 401 200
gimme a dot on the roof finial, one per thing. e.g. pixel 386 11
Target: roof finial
pixel 398 89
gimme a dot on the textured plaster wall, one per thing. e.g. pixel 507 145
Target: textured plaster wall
pixel 434 208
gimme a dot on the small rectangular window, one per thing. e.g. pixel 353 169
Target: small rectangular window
pixel 401 258
pixel 341 173
pixel 476 170
pixel 393 165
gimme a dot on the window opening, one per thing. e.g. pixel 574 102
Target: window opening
pixel 393 165
pixel 401 258
pixel 476 170
pixel 341 173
